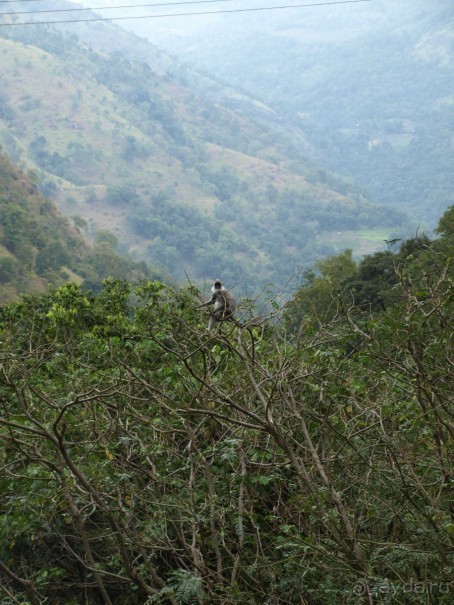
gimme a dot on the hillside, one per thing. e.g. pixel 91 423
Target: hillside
pixel 39 247
pixel 119 138
pixel 369 83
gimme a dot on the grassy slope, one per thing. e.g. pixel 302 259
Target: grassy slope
pixel 362 241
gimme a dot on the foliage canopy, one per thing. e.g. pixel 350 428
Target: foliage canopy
pixel 146 461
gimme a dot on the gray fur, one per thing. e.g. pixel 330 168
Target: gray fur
pixel 223 305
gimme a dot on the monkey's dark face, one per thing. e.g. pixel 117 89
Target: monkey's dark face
pixel 217 284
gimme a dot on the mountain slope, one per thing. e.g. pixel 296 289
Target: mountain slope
pixel 39 247
pixel 369 83
pixel 190 184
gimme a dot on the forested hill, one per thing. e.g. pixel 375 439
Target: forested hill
pixel 40 247
pixel 118 136
pixel 369 83
pixel 146 462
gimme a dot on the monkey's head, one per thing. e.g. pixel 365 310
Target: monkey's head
pixel 217 284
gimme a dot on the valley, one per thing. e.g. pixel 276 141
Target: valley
pixel 127 138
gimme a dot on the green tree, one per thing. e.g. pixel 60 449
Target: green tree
pixel 317 298
pixel 446 223
pixel 146 461
pixel 53 256
pixel 122 196
pixel 8 269
pixel 372 285
pixel 103 235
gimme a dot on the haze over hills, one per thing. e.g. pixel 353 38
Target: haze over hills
pixel 370 84
pixel 122 135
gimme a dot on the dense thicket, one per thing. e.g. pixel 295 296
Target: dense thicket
pixel 147 461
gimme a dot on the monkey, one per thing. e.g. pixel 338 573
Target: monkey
pixel 224 305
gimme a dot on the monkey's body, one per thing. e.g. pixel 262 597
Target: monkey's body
pixel 223 305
